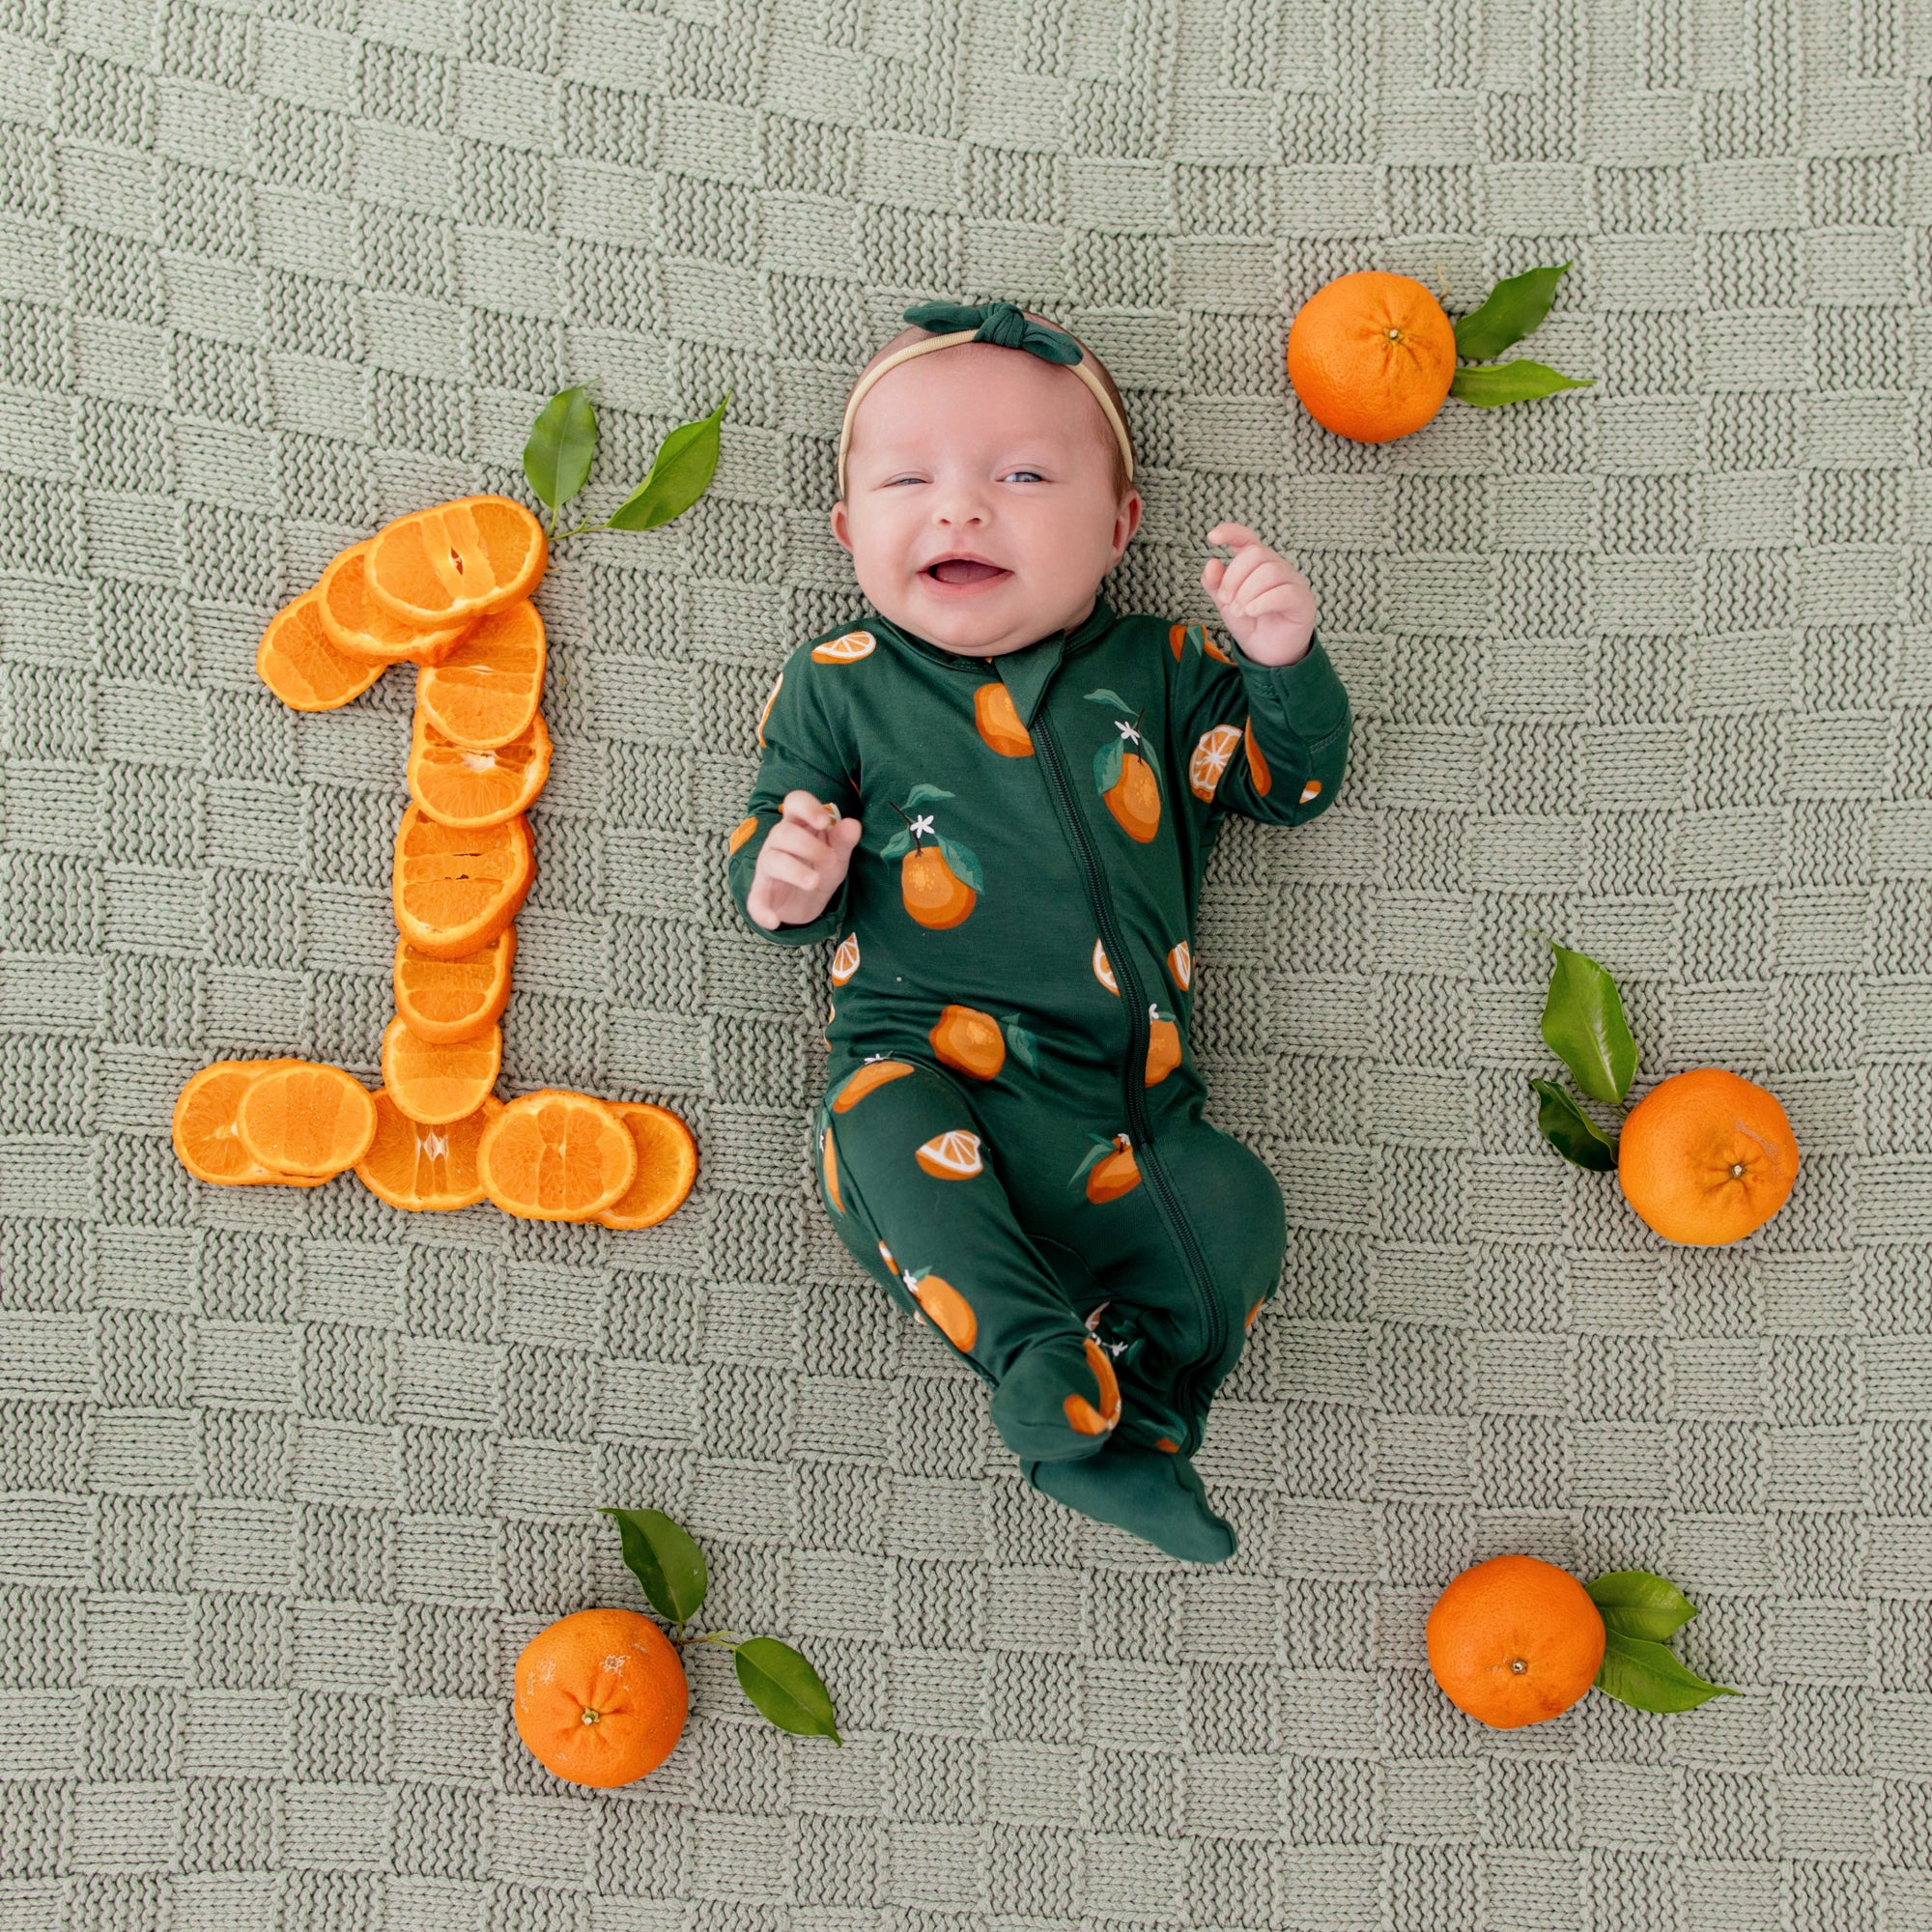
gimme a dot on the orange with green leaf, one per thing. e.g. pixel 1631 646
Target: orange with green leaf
pixel 1703 1159
pixel 940 880
pixel 1516 1641
pixel 1128 786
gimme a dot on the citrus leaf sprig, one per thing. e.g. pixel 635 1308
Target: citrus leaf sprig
pixel 1641 1609
pixel 670 1566
pixel 1583 1025
pixel 1508 313
pixel 563 443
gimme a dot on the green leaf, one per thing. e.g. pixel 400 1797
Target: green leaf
pixel 896 846
pixel 1512 382
pixel 921 792
pixel 1097 1151
pixel 1105 696
pixel 563 438
pixel 664 1559
pixel 1022 1044
pixel 1570 1130
pixel 685 462
pixel 964 863
pixel 1648 1677
pixel 1639 1602
pixel 1107 763
pixel 1508 313
pixel 1583 1025
pixel 785 1688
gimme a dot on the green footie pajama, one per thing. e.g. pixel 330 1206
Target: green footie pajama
pixel 1012 1140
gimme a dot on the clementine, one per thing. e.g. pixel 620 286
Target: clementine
pixel 874 1073
pixel 999 722
pixel 666 1166
pixel 299 663
pixel 600 1697
pixel 455 561
pixel 1134 798
pixel 1115 1174
pixel 555 1156
pixel 422 1168
pixel 1372 356
pixel 933 893
pixel 970 1041
pixel 1080 1413
pixel 1706 1156
pixel 948 1310
pixel 1514 1641
pixel 444 1001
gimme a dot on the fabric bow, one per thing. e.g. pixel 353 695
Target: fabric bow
pixel 998 323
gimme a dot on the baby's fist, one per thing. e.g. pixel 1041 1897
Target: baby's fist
pixel 800 863
pixel 1264 600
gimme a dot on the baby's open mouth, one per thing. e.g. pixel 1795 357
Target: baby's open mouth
pixel 963 570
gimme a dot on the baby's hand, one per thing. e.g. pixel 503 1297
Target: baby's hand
pixel 800 863
pixel 1264 601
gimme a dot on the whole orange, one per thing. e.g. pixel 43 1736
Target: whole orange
pixel 600 1697
pixel 1371 355
pixel 1514 1641
pixel 1706 1156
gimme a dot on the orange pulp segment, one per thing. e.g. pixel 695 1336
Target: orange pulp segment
pixel 443 1001
pixel 413 1166
pixel 437 1086
pixel 365 629
pixel 298 661
pixel 456 560
pixel 472 789
pixel 485 691
pixel 306 1119
pixel 557 1156
pixel 666 1166
pixel 453 892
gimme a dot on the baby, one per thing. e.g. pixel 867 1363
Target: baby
pixel 998 794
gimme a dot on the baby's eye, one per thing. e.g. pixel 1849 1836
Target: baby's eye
pixel 1034 473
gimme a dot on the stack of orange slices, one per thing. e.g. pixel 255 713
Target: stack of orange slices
pixel 447 589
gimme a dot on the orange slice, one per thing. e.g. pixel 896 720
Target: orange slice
pixel 454 891
pixel 473 789
pixel 557 1156
pixel 485 691
pixel 204 1126
pixel 848 649
pixel 954 1155
pixel 1102 972
pixel 666 1166
pixel 306 1119
pixel 1181 963
pixel 873 1073
pixel 845 960
pixel 296 661
pixel 444 1001
pixel 433 1168
pixel 368 631
pixel 1211 754
pixel 439 1085
pixel 456 560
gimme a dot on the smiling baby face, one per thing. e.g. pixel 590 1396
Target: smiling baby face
pixel 999 459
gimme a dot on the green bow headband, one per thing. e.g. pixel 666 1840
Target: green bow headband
pixel 1006 327
pixel 999 322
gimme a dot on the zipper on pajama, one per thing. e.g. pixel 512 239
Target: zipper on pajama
pixel 1120 956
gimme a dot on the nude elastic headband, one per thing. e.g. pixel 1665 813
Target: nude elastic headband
pixel 1007 327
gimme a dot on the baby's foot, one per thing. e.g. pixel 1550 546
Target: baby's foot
pixel 1153 1494
pixel 1057 1402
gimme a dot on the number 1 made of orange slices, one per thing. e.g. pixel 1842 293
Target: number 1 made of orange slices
pixel 446 589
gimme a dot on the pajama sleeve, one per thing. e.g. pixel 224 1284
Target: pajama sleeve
pixel 800 747
pixel 1267 741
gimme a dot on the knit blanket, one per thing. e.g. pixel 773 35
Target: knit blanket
pixel 291 1477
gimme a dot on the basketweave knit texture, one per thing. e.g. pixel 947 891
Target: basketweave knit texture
pixel 290 1478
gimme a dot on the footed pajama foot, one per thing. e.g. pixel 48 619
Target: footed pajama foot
pixel 1147 1492
pixel 1057 1402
